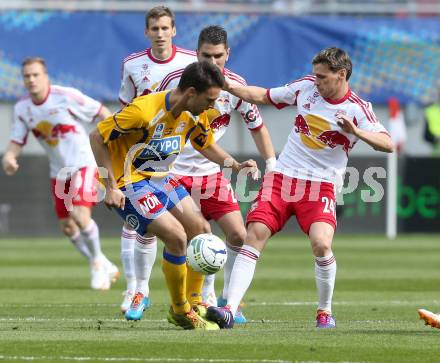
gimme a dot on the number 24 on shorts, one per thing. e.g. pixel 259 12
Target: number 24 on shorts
pixel 329 205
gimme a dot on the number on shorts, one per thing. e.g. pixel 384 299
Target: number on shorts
pixel 232 193
pixel 329 205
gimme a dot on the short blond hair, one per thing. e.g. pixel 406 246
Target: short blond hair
pixel 32 60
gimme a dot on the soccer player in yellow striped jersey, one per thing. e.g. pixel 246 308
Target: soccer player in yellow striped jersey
pixel 141 73
pixel 149 133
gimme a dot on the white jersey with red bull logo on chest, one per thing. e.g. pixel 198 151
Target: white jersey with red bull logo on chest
pixel 142 73
pixel 190 162
pixel 56 123
pixel 317 148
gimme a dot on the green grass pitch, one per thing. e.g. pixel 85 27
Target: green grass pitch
pixel 49 314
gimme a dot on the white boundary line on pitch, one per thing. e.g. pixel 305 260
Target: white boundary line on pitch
pixel 262 303
pixel 158 359
pixel 151 359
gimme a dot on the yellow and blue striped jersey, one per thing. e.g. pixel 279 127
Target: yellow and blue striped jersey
pixel 144 138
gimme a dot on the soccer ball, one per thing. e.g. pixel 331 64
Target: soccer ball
pixel 206 254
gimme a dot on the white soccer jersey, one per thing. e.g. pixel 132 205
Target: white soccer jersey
pixel 317 148
pixel 55 123
pixel 142 73
pixel 190 162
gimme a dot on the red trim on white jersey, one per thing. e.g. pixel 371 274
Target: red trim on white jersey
pixel 21 143
pixel 166 81
pixel 159 61
pixel 341 100
pixel 123 102
pixel 99 111
pixel 365 104
pixel 186 51
pixel 135 55
pixel 240 101
pixel 257 128
pixel 234 76
pixel 134 86
pixel 59 91
pixel 306 78
pixel 356 100
pixel 277 105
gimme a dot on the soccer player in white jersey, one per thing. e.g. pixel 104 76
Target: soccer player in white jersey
pixel 330 119
pixel 141 74
pixel 54 115
pixel 202 178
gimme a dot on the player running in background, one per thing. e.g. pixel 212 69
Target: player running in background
pixel 147 135
pixel 141 74
pixel 330 119
pixel 54 115
pixel 198 174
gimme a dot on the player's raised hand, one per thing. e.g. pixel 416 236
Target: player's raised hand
pixel 10 165
pixel 114 198
pixel 347 124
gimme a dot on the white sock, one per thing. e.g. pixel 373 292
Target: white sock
pixel 241 275
pixel 145 250
pixel 128 237
pixel 325 274
pixel 91 237
pixel 79 243
pixel 208 286
pixel 232 255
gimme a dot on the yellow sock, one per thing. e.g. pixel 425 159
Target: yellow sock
pixel 174 269
pixel 194 285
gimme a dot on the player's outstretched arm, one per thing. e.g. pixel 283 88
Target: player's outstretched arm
pixel 251 94
pixel 219 156
pixel 113 196
pixel 377 140
pixel 9 161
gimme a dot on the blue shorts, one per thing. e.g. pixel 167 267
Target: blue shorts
pixel 148 199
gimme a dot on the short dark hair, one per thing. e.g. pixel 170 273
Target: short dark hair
pixel 336 59
pixel 159 11
pixel 213 34
pixel 31 60
pixel 202 76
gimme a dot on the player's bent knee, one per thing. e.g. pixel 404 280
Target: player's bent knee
pixel 236 237
pixel 68 227
pixel 197 226
pixel 175 240
pixel 321 245
pixel 257 235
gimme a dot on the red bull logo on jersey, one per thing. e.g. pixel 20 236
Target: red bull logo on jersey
pixel 333 138
pixel 301 126
pixel 316 133
pixel 219 122
pixel 52 133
